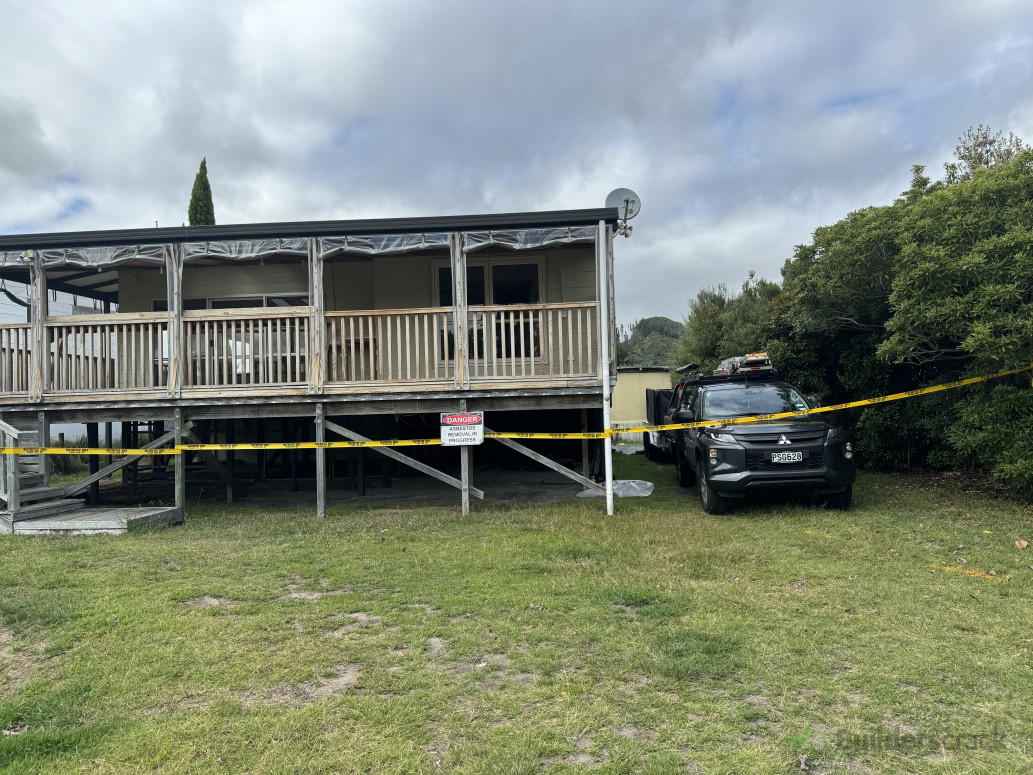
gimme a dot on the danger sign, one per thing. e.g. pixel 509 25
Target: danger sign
pixel 460 429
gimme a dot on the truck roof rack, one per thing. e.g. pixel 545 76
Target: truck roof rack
pixel 737 369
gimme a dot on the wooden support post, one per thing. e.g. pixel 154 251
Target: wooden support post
pixel 585 467
pixel 181 465
pixel 43 426
pixel 9 438
pixel 423 468
pixel 110 442
pixel 93 440
pixel 459 309
pixel 230 459
pixel 38 329
pixel 316 362
pixel 464 471
pixel 263 437
pixel 174 296
pixel 320 464
pixel 126 441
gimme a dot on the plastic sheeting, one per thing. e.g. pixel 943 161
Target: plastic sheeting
pixel 250 250
pixel 90 257
pixel 383 244
pixel 526 239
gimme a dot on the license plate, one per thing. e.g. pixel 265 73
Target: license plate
pixel 787 457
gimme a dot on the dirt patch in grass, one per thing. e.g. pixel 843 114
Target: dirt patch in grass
pixel 295 592
pixel 207 601
pixel 344 678
pixel 296 695
pixel 17 665
pixel 436 647
pixel 469 664
pixel 359 619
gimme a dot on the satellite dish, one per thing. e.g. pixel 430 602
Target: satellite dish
pixel 626 201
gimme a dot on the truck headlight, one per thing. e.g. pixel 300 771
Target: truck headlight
pixel 724 438
pixel 848 451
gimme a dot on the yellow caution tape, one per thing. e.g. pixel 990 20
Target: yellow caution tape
pixel 124 452
pixel 117 451
pixel 585 435
pixel 821 409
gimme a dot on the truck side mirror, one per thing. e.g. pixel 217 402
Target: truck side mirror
pixel 684 415
pixel 814 401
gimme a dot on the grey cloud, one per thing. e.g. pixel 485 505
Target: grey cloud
pixel 743 125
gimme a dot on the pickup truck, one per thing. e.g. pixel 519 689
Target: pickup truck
pixel 726 462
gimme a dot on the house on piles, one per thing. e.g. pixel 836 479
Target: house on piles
pixel 293 332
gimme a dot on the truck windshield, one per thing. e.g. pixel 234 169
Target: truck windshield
pixel 746 401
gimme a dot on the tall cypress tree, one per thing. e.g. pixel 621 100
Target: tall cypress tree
pixel 201 211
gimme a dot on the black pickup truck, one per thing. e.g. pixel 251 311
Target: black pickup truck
pixel 730 461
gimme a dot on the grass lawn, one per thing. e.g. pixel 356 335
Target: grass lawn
pixel 779 638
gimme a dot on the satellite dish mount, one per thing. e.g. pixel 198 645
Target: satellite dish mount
pixel 628 204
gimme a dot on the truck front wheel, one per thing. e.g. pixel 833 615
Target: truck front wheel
pixel 709 498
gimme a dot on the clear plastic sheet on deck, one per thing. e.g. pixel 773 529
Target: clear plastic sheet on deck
pixel 89 257
pixel 383 244
pixel 251 250
pixel 526 239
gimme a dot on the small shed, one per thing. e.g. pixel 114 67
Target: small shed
pixel 629 395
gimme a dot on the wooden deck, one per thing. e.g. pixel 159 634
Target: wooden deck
pixel 110 521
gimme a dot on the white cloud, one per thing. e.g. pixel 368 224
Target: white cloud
pixel 742 125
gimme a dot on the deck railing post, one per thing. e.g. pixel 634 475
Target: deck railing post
pixel 38 332
pixel 457 245
pixel 315 365
pixel 174 284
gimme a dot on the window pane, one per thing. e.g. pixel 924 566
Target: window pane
pixel 286 301
pixel 235 303
pixel 474 286
pixel 514 284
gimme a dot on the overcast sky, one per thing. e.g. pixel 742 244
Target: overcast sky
pixel 742 125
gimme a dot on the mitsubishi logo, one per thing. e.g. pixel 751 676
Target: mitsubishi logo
pixel 783 440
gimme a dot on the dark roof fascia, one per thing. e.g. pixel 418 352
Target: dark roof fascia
pixel 295 229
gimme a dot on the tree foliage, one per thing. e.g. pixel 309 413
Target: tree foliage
pixel 648 342
pixel 721 324
pixel 201 211
pixel 934 287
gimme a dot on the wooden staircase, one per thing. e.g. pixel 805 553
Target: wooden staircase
pixel 26 492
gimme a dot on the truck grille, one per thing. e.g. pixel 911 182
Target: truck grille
pixel 796 437
pixel 761 461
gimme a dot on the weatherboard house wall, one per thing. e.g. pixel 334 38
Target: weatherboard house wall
pixel 335 318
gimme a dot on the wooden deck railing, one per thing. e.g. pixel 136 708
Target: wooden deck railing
pixel 106 352
pixel 226 348
pixel 239 350
pixel 389 345
pixel 533 340
pixel 14 358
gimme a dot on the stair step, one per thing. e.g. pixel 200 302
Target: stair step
pixel 30 480
pixel 36 494
pixel 47 509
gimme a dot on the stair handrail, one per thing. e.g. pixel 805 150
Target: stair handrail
pixel 10 430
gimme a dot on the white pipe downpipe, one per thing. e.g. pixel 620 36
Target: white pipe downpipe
pixel 603 273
